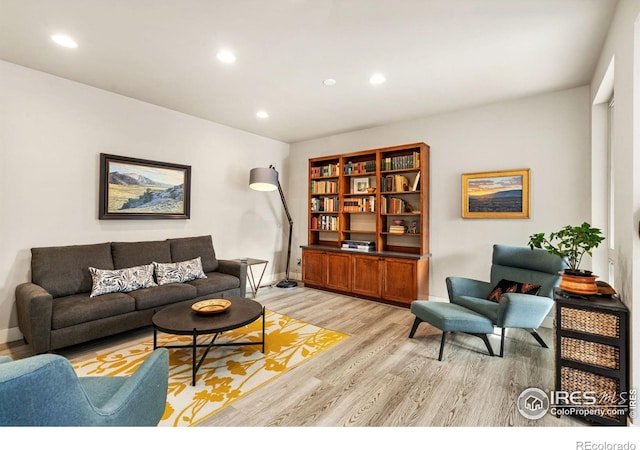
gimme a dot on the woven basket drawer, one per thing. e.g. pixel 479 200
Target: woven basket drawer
pixel 590 353
pixel 599 323
pixel 574 380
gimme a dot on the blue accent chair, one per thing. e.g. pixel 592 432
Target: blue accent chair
pixel 44 390
pixel 521 264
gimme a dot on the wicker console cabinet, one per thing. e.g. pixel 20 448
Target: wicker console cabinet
pixel 592 357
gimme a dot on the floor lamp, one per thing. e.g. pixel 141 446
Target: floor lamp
pixel 266 179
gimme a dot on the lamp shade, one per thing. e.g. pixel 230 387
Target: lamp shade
pixel 263 179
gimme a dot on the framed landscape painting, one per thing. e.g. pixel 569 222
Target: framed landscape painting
pixel 132 188
pixel 496 195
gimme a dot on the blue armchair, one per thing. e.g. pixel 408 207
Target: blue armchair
pixel 44 390
pixel 520 264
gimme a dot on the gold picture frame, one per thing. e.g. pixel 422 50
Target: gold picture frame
pixel 502 194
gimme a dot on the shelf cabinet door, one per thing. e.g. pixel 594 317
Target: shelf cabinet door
pixel 366 275
pixel 399 280
pixel 338 271
pixel 313 267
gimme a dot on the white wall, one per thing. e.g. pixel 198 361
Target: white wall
pixel 52 131
pixel 548 134
pixel 623 44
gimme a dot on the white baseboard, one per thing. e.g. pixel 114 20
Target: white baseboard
pixel 10 335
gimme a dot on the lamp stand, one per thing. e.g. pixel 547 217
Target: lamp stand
pixel 286 283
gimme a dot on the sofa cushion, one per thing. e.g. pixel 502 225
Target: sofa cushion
pixel 178 272
pixel 121 280
pixel 65 270
pixel 130 254
pixel 508 286
pixel 183 249
pixel 80 308
pixel 162 295
pixel 214 283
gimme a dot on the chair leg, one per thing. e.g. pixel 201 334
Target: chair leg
pixel 416 322
pixel 501 342
pixel 486 342
pixel 537 337
pixel 444 333
pixel 485 339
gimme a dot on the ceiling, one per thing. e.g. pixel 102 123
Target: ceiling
pixel 437 55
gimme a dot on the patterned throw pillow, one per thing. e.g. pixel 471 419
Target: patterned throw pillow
pixel 179 272
pixel 121 280
pixel 508 286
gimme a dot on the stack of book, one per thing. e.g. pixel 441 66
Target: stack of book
pixel 364 246
pixel 397 229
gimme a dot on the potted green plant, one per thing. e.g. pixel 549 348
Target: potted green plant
pixel 571 243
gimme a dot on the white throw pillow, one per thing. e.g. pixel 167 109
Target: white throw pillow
pixel 179 272
pixel 121 280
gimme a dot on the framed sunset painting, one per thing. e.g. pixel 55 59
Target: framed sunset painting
pixel 496 195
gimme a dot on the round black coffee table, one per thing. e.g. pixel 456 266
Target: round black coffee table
pixel 182 320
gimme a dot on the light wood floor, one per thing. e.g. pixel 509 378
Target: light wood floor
pixel 378 376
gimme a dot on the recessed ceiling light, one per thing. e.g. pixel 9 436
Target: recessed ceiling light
pixel 226 57
pixel 329 82
pixel 377 78
pixel 64 40
pixel 262 114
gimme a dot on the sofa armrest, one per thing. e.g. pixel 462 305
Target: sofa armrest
pixel 523 310
pixel 34 305
pixel 458 287
pixel 237 269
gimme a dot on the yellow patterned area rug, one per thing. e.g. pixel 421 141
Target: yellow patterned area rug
pixel 228 373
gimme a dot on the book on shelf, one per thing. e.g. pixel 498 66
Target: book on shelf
pixel 393 205
pixel 363 204
pixel 416 182
pixel 395 183
pixel 330 170
pixel 397 229
pixel 325 204
pixel 401 162
pixel 358 245
pixel 360 248
pixel 356 168
pixel 324 223
pixel 357 242
pixel 323 187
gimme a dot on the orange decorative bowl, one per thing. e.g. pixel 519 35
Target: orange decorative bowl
pixel 213 306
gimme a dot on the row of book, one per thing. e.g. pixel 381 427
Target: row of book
pixel 323 187
pixel 364 246
pixel 325 223
pixel 330 170
pixel 361 204
pixel 324 204
pixel 393 205
pixel 411 161
pixel 399 183
pixel 402 162
pixel 356 168
pixel 397 229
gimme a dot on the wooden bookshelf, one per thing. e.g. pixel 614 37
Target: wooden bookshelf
pixel 360 195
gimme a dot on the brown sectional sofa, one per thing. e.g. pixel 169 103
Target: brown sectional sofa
pixel 55 309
